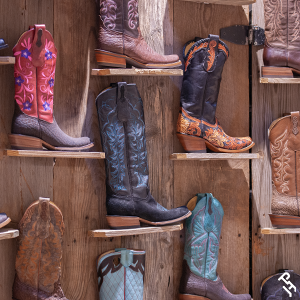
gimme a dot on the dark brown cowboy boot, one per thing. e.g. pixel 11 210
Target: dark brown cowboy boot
pixel 284 136
pixel 39 253
pixel 282 45
pixel 120 39
pixel 199 280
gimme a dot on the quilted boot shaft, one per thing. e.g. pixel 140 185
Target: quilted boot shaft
pixel 121 275
pixel 201 249
pixel 284 285
pixel 39 254
pixel 284 136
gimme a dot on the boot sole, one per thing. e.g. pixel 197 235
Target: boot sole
pixel 110 59
pixel 127 222
pixel 193 144
pixel 5 222
pixel 278 72
pixel 3 46
pixel 191 297
pixel 24 142
pixel 282 221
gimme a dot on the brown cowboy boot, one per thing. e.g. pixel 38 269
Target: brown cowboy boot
pixel 282 46
pixel 39 253
pixel 284 135
pixel 121 41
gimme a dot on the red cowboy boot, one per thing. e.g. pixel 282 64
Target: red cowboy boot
pixel 34 125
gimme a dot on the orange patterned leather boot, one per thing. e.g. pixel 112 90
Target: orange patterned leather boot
pixel 121 41
pixel 284 136
pixel 39 253
pixel 197 126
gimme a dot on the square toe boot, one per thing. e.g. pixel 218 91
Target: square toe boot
pixel 34 125
pixel 284 136
pixel 121 274
pixel 121 41
pixel 199 280
pixel 197 126
pixel 122 130
pixel 284 285
pixel 39 253
pixel 282 45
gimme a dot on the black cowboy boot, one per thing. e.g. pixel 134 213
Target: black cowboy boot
pixel 122 127
pixel 197 126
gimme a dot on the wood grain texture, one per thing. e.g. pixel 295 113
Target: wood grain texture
pixel 269 102
pixel 280 80
pixel 7 60
pixel 137 72
pixel 8 233
pixel 224 2
pixel 279 231
pixel 227 180
pixel 214 156
pixel 53 154
pixel 135 231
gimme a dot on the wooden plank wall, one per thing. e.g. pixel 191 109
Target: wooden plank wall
pixel 270 101
pixel 77 186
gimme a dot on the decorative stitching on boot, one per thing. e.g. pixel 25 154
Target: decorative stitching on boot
pixel 212 54
pixel 296 15
pixel 295 125
pixel 133 14
pixel 108 10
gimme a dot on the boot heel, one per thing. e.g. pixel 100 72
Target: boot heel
pixel 120 222
pixel 191 297
pixel 191 143
pixel 109 59
pixel 277 72
pixel 18 141
pixel 285 221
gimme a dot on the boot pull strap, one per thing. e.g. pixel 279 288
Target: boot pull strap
pixel 212 53
pixel 122 103
pixel 295 122
pixel 38 45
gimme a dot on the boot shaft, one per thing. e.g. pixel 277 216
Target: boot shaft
pixel 204 61
pixel 34 73
pixel 282 26
pixel 203 230
pixel 122 129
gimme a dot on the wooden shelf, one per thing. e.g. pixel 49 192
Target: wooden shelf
pixel 56 154
pixel 280 80
pixel 224 2
pixel 214 156
pixel 124 232
pixel 137 72
pixel 7 60
pixel 8 233
pixel 280 231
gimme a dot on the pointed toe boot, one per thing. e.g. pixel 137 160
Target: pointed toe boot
pixel 199 280
pixel 282 45
pixel 197 126
pixel 39 253
pixel 122 128
pixel 284 136
pixel 121 274
pixel 121 41
pixel 34 125
pixel 4 220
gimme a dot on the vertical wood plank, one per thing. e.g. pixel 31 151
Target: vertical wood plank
pixel 270 101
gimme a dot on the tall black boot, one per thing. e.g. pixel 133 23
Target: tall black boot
pixel 197 127
pixel 122 127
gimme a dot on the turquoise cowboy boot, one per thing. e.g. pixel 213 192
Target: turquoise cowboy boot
pixel 199 278
pixel 121 274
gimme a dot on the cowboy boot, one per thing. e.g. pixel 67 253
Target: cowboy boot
pixel 284 136
pixel 122 128
pixel 38 261
pixel 284 285
pixel 4 220
pixel 197 126
pixel 34 125
pixel 282 45
pixel 121 41
pixel 2 44
pixel 121 274
pixel 199 280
